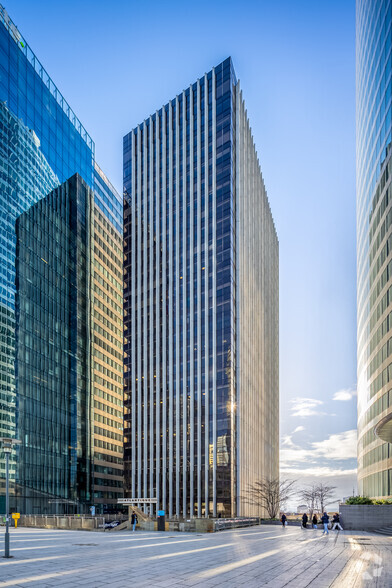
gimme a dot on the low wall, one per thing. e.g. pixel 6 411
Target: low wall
pixel 202 525
pixel 192 526
pixel 365 517
pixel 62 522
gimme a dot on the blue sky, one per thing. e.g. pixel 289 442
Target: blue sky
pixel 118 62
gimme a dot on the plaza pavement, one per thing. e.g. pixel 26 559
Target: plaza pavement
pixel 251 557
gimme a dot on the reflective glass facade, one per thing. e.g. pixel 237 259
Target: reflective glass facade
pixel 374 240
pixel 25 177
pixel 185 418
pixel 42 143
pixel 52 358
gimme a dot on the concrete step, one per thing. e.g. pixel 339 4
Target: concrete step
pixel 384 531
pixel 121 527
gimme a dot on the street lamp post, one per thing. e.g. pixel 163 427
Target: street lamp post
pixel 7 448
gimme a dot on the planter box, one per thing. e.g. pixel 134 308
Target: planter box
pixel 365 517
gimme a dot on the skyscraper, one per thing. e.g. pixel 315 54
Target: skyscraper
pixel 374 240
pixel 200 305
pixel 42 144
pixel 53 350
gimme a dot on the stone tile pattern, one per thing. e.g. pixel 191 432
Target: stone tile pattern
pixel 252 557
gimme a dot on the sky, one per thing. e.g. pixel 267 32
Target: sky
pixel 118 62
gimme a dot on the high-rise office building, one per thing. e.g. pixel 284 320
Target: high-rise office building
pixel 374 246
pixel 200 305
pixel 107 344
pixel 53 369
pixel 42 143
pixel 68 360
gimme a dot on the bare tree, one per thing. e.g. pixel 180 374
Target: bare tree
pixel 310 497
pixel 270 494
pixel 325 495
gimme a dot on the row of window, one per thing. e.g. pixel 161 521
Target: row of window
pixel 107 348
pixel 108 299
pixel 109 264
pixel 108 409
pixel 117 341
pixel 109 434
pixel 113 293
pixel 108 276
pixel 106 372
pixel 107 421
pixel 108 386
pixel 107 323
pixel 107 311
pixel 377 454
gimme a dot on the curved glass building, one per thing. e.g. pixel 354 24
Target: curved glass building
pixel 374 246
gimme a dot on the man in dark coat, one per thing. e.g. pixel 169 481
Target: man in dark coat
pixel 304 520
pixel 325 521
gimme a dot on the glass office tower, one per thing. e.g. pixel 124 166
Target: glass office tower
pixel 374 241
pixel 42 143
pixel 53 356
pixel 200 305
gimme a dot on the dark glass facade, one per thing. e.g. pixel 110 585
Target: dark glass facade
pixel 374 263
pixel 181 247
pixel 42 143
pixel 53 358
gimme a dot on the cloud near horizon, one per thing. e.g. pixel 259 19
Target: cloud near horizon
pixel 337 447
pixel 331 460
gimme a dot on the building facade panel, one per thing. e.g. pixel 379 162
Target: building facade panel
pixel 180 290
pixel 52 357
pixel 374 265
pixel 42 143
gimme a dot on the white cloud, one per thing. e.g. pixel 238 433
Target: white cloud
pixel 345 394
pixel 318 472
pixel 287 441
pixel 298 429
pixel 341 446
pixel 305 407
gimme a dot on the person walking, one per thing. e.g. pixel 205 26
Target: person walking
pixel 305 520
pixel 314 521
pixel 325 521
pixel 134 520
pixel 336 522
pixel 284 520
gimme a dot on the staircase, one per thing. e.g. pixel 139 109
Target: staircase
pixel 384 531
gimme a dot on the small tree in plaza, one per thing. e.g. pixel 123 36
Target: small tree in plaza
pixel 310 497
pixel 325 495
pixel 270 494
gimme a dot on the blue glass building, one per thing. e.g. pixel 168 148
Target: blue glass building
pixel 200 305
pixel 42 144
pixel 374 246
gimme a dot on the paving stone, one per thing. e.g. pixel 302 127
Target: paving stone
pixel 254 557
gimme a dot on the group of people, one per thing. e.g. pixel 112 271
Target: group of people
pixel 324 520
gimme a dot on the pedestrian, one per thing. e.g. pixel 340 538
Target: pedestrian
pixel 284 520
pixel 325 521
pixel 304 520
pixel 314 521
pixel 336 522
pixel 134 520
